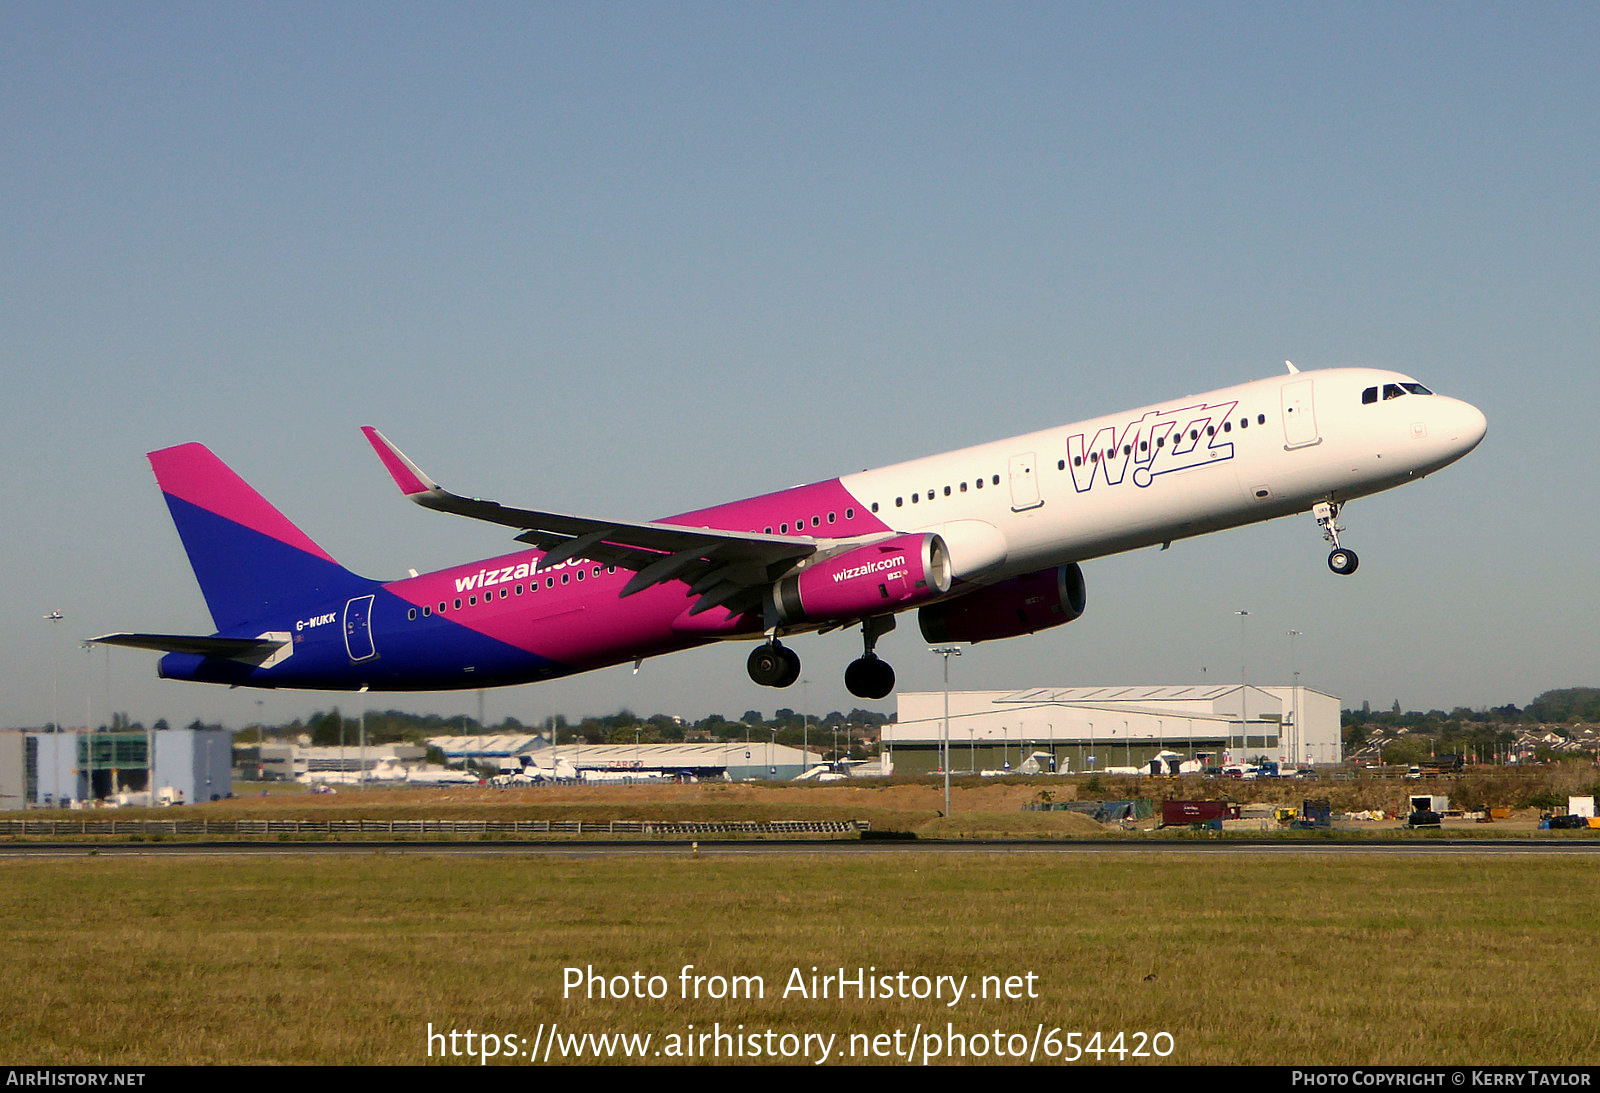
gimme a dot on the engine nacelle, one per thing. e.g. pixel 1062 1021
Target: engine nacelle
pixel 1020 605
pixel 875 579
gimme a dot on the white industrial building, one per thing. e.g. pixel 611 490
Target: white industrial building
pixel 73 768
pixel 737 760
pixel 1095 728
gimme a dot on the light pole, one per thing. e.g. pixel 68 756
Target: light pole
pixel 1294 703
pixel 946 651
pixel 805 727
pixel 1244 723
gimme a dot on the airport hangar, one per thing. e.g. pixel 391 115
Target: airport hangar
pixel 739 761
pixel 1094 728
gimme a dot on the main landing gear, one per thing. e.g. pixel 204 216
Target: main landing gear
pixel 1341 560
pixel 773 664
pixel 867 676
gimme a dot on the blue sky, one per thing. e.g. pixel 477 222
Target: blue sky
pixel 631 260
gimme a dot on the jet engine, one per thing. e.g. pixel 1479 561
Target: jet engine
pixel 876 579
pixel 1019 605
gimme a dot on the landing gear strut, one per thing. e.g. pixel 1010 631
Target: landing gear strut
pixel 773 665
pixel 1341 560
pixel 867 676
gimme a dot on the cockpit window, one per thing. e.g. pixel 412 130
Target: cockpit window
pixel 1393 390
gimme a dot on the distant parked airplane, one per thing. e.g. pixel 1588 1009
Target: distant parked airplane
pixel 984 542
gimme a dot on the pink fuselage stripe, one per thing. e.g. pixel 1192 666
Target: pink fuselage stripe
pixel 587 624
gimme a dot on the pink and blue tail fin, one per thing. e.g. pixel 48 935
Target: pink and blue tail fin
pixel 251 562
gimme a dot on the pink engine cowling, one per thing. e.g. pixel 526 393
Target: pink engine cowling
pixel 1019 605
pixel 876 579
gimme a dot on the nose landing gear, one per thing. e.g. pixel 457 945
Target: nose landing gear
pixel 1341 560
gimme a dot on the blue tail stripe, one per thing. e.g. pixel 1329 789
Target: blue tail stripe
pixel 246 576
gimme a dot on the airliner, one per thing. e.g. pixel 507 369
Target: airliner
pixel 983 543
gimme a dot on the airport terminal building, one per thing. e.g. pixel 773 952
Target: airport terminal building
pixel 73 768
pixel 1083 729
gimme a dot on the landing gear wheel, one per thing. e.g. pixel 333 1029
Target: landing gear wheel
pixel 869 677
pixel 1343 562
pixel 791 666
pixel 773 665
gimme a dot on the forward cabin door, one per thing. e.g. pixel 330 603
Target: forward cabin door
pixel 1299 416
pixel 1024 483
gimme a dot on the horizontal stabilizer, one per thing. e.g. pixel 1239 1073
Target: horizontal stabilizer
pixel 253 650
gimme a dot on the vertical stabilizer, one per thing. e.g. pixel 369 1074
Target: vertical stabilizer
pixel 251 562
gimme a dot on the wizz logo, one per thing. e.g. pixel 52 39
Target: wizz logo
pixel 1157 443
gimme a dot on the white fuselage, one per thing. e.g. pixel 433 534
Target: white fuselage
pixel 1235 456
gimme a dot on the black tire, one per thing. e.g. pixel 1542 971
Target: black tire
pixel 791 667
pixel 869 677
pixel 1343 562
pixel 767 664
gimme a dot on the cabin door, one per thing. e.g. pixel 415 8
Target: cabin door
pixel 1299 415
pixel 1024 483
pixel 358 628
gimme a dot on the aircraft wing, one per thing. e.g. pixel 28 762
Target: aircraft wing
pixel 722 567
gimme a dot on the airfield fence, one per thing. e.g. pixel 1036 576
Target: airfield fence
pixel 203 827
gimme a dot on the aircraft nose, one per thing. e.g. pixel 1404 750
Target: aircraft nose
pixel 1468 426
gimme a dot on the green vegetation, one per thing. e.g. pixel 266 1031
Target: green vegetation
pixel 1299 959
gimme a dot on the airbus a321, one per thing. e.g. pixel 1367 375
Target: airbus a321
pixel 983 543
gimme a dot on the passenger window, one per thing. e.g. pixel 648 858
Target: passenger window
pixel 412 614
pixel 997 479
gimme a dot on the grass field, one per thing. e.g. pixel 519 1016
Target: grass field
pixel 1284 959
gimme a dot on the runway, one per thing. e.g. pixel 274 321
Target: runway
pixel 757 848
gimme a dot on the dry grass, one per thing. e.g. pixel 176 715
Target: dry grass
pixel 1293 959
